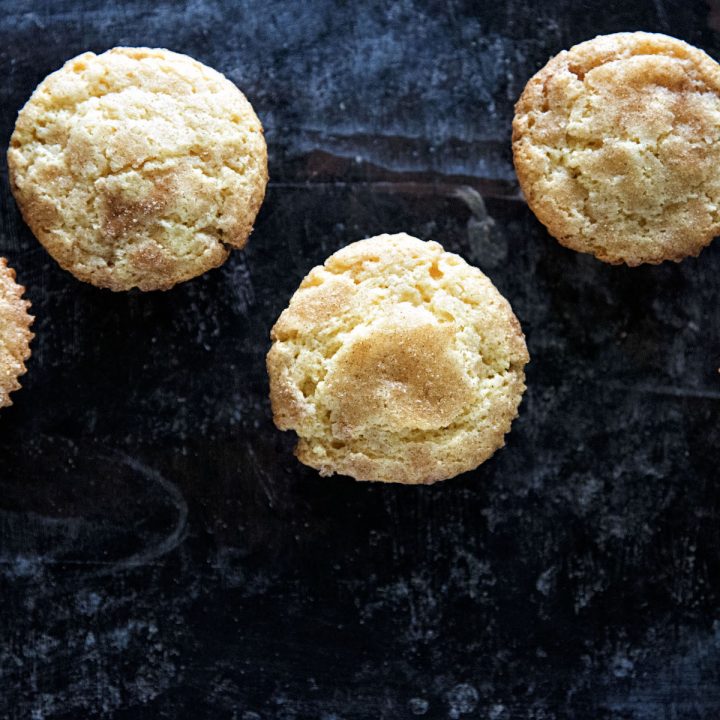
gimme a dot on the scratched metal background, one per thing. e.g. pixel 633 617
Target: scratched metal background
pixel 162 554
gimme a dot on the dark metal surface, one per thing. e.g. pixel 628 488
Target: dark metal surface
pixel 163 555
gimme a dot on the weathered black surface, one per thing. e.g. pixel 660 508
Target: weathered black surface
pixel 163 555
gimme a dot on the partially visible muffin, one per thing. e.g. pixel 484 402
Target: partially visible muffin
pixel 15 335
pixel 616 148
pixel 398 362
pixel 138 167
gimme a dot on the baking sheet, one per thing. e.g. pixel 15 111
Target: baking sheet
pixel 163 555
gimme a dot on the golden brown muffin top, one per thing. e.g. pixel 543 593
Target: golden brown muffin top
pixel 396 361
pixel 138 167
pixel 616 147
pixel 15 335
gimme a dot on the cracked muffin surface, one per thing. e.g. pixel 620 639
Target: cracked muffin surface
pixel 15 335
pixel 138 167
pixel 616 146
pixel 396 361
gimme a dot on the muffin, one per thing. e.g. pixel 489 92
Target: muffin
pixel 397 362
pixel 615 143
pixel 138 167
pixel 15 335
